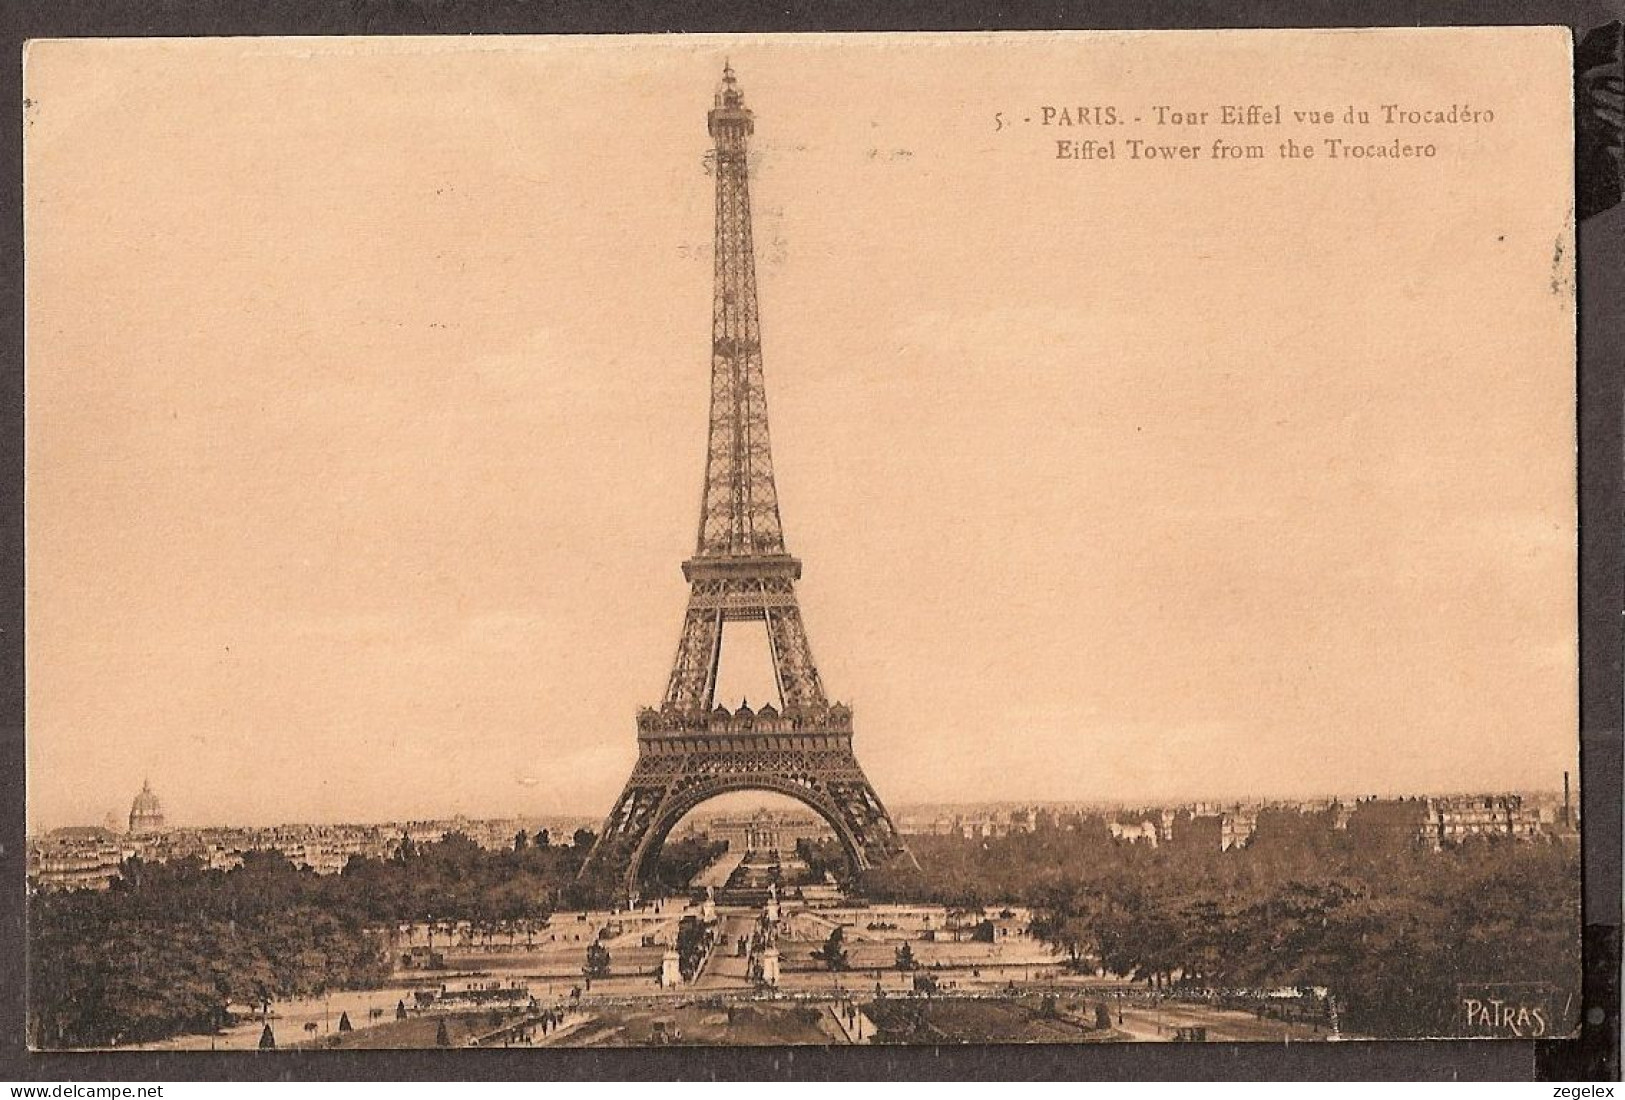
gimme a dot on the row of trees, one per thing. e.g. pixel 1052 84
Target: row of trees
pixel 678 862
pixel 455 879
pixel 821 856
pixel 1392 931
pixel 170 946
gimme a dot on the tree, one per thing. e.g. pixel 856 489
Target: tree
pixel 583 839
pixel 267 1038
pixel 344 1022
pixel 692 940
pixel 960 915
pixel 400 1009
pixel 833 954
pixel 905 957
pixel 520 840
pixel 1103 1017
pixel 597 961
pixel 442 1038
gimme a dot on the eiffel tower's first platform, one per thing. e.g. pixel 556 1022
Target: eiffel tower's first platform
pixel 690 749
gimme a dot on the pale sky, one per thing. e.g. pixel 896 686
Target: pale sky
pixel 367 392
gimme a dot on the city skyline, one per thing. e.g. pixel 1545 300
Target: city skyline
pixel 749 801
pixel 359 474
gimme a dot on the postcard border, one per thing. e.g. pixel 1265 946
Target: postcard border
pixel 1592 1055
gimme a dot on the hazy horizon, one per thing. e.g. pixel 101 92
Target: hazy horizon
pixel 366 408
pixel 749 800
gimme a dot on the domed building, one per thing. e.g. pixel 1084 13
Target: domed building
pixel 146 812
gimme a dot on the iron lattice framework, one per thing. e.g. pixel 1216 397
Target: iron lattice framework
pixel 690 749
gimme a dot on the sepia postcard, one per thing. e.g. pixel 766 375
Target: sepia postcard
pixel 826 539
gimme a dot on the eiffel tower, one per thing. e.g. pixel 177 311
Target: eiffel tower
pixel 690 749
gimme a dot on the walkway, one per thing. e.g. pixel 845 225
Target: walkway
pixel 717 872
pixel 724 969
pixel 857 1027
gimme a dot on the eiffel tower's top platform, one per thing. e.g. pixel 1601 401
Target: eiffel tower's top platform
pixel 730 107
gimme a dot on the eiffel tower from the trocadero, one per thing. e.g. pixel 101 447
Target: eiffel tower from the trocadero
pixel 690 749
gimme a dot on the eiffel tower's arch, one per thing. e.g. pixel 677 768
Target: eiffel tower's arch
pixel 679 805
